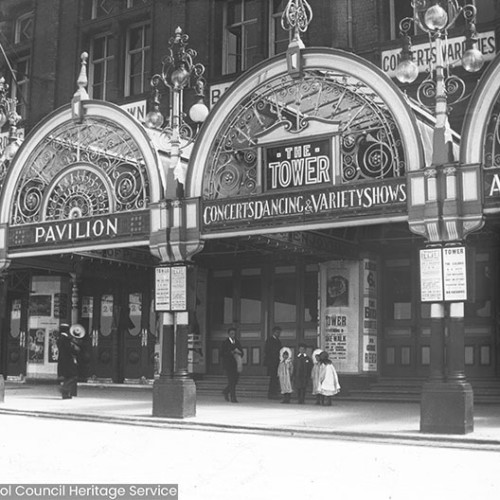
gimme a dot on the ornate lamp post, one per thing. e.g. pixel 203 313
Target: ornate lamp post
pixel 8 114
pixel 445 206
pixel 179 72
pixel 174 393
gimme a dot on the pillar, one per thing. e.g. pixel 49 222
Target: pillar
pixel 174 392
pixel 3 343
pixel 447 402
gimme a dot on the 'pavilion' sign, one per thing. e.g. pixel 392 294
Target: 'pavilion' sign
pixel 72 232
pixel 340 202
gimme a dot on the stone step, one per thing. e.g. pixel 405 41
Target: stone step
pixel 486 391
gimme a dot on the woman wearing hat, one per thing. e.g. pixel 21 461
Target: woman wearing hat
pixel 66 365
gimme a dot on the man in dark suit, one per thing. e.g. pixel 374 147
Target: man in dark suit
pixel 67 369
pixel 272 360
pixel 230 349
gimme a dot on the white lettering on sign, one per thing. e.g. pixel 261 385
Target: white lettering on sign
pixel 423 55
pixel 495 186
pixel 304 204
pixel 69 231
pixel 137 109
pixel 299 165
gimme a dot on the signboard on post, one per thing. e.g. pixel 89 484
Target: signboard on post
pixel 162 289
pixel 431 275
pixel 171 288
pixel 455 274
pixel 178 288
pixel 443 274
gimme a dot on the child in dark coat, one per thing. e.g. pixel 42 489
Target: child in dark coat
pixel 302 366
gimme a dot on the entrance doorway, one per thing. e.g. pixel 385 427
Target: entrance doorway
pixel 256 298
pixel 119 316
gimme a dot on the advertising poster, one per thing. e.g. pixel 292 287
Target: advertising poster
pixel 36 345
pixel 431 275
pixel 369 315
pixel 340 313
pixel 53 349
pixel 455 274
pixel 369 353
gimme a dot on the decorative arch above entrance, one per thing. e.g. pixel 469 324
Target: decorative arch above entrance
pixel 481 129
pixel 85 183
pixel 342 124
pixel 481 135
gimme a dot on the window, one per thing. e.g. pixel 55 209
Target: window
pixel 138 62
pixel 487 10
pixel 311 297
pixel 101 67
pixel 483 285
pixel 95 9
pixel 285 296
pixel 241 35
pixel 24 28
pixel 20 87
pixel 397 11
pixel 222 298
pixel 251 296
pixel 278 36
pixel 398 291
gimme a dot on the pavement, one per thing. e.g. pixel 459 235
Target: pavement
pixel 396 422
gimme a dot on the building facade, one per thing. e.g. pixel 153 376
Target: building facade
pixel 297 187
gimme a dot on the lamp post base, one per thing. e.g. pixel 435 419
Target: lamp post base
pixel 174 398
pixel 447 408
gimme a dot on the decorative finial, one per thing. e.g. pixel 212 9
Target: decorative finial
pixel 296 18
pixel 82 77
pixel 81 93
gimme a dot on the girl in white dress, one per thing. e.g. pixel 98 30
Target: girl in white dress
pixel 285 371
pixel 316 384
pixel 328 379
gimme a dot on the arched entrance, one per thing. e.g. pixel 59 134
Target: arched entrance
pixel 481 146
pixel 304 197
pixel 76 211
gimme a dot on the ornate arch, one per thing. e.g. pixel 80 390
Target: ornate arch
pixel 379 136
pixel 66 169
pixel 481 129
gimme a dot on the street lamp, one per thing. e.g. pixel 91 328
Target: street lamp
pixel 179 72
pixel 174 393
pixel 8 114
pixel 444 207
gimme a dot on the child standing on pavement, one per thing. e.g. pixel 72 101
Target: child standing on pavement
pixel 316 385
pixel 285 371
pixel 328 379
pixel 302 366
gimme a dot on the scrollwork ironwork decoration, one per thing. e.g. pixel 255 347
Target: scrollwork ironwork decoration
pixel 179 71
pixel 492 139
pixel 297 16
pixel 81 170
pixel 371 145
